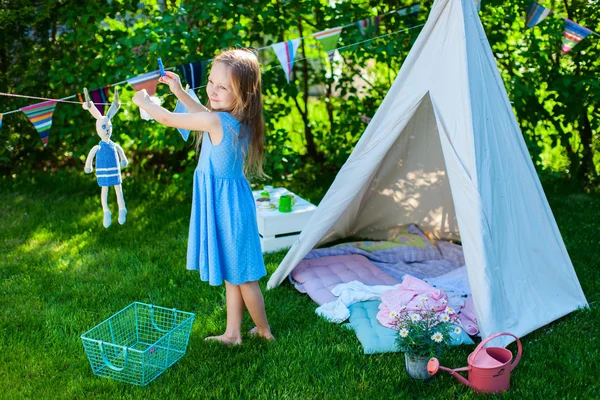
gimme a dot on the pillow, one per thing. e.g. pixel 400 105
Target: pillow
pixel 318 276
pixel 376 338
pixel 460 338
pixel 406 237
pixel 409 245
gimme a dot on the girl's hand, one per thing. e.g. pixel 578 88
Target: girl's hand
pixel 172 79
pixel 141 98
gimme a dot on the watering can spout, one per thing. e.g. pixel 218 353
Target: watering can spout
pixel 433 366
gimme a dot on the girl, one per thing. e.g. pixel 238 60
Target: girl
pixel 223 240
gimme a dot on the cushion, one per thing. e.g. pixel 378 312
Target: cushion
pixel 376 338
pixel 410 245
pixel 319 275
pixel 460 338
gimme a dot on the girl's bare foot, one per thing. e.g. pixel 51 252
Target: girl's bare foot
pixel 267 335
pixel 226 340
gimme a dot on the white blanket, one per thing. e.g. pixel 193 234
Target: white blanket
pixel 350 293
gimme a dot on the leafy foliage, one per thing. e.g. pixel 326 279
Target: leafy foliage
pixel 53 48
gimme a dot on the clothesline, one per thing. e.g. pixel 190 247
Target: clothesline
pixel 66 99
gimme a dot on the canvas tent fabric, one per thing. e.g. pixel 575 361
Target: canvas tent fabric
pixel 444 150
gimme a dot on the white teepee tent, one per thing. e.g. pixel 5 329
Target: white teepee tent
pixel 445 151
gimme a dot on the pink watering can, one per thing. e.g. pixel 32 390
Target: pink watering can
pixel 489 368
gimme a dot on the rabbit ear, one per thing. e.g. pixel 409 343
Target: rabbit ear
pixel 114 107
pixel 91 107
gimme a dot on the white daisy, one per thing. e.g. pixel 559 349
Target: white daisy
pixel 393 314
pixel 437 337
pixel 444 318
pixel 415 317
pixel 449 310
pixel 457 330
pixel 403 332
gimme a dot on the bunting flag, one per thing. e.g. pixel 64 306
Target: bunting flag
pixel 286 53
pixel 329 39
pixel 180 108
pixel 536 14
pixel 369 25
pixel 40 116
pixel 147 81
pixel 194 74
pixel 99 98
pixel 415 8
pixel 574 33
pixel 0 120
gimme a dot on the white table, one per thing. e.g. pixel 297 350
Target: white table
pixel 279 230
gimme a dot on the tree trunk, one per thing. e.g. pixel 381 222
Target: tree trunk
pixel 328 103
pixel 311 148
pixel 588 169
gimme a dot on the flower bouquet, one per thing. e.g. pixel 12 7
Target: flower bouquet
pixel 423 332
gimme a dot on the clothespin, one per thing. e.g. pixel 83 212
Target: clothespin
pixel 88 102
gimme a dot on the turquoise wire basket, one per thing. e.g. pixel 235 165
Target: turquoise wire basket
pixel 138 343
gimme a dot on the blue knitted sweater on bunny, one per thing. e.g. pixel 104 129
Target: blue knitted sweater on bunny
pixel 108 171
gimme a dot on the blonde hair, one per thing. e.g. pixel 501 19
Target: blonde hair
pixel 247 107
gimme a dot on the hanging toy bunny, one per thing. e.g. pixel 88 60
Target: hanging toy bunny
pixel 109 159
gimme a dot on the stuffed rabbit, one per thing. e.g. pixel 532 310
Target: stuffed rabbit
pixel 109 158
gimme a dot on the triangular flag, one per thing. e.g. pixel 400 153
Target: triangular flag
pixel 286 53
pixel 99 98
pixel 147 81
pixel 40 116
pixel 332 55
pixel 0 120
pixel 329 39
pixel 536 14
pixel 415 8
pixel 573 34
pixel 369 25
pixel 180 108
pixel 194 73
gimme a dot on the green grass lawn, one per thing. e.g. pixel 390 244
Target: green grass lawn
pixel 62 273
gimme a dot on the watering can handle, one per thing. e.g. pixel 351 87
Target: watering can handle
pixel 494 336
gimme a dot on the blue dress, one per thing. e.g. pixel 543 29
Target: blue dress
pixel 223 242
pixel 108 172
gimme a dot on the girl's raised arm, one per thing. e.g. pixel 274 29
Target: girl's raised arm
pixel 199 121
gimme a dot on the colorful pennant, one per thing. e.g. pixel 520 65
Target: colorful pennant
pixel 40 116
pixel 99 98
pixel 0 120
pixel 415 8
pixel 286 53
pixel 573 34
pixel 369 26
pixel 147 81
pixel 536 14
pixel 194 73
pixel 329 39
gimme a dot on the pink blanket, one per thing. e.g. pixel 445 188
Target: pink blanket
pixel 414 294
pixel 467 318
